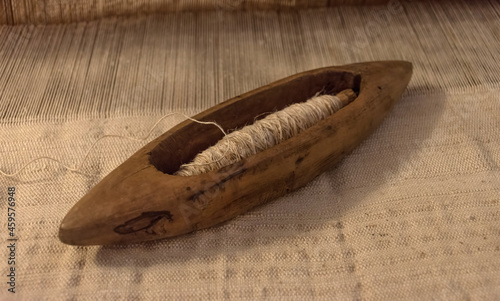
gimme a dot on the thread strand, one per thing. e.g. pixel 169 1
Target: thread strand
pixel 77 167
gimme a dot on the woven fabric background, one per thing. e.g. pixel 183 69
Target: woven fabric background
pixel 57 11
pixel 412 213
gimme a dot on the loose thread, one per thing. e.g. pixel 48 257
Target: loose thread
pixel 77 168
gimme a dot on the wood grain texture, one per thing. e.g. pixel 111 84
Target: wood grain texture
pixel 55 11
pixel 141 200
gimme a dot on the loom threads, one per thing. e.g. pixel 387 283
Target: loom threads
pixel 265 133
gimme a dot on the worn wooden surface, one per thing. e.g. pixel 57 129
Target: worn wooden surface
pixel 141 200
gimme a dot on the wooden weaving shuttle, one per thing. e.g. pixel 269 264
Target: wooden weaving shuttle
pixel 142 200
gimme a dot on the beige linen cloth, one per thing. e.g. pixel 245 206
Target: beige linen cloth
pixel 412 214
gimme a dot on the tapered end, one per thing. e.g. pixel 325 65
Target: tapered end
pixel 83 227
pixel 74 232
pixel 119 197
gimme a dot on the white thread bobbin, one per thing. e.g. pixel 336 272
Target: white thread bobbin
pixel 265 133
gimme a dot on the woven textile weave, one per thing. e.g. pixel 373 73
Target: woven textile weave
pixel 57 11
pixel 412 213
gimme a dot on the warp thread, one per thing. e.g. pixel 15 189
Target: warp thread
pixel 265 133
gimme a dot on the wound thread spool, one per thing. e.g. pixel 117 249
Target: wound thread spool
pixel 267 132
